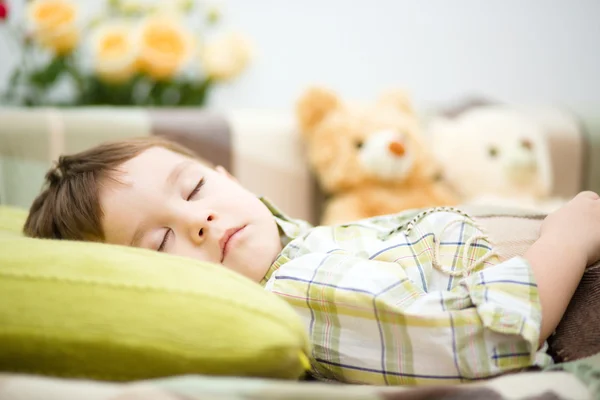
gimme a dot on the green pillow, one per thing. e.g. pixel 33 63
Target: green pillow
pixel 108 312
pixel 12 219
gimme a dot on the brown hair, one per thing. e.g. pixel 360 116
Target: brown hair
pixel 69 206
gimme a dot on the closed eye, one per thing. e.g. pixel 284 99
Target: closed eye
pixel 196 189
pixel 165 240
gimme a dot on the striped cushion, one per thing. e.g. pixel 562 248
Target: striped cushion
pixel 261 148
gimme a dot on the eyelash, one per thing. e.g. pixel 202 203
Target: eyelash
pixel 168 234
pixel 164 242
pixel 196 189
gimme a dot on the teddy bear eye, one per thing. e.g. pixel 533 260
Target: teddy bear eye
pixel 358 144
pixel 493 151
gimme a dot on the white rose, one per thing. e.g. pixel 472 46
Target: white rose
pixel 225 57
pixel 115 52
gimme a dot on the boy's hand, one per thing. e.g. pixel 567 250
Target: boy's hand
pixel 575 227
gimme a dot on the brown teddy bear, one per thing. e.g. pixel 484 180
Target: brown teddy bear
pixel 369 160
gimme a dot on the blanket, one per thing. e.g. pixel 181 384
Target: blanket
pixel 568 381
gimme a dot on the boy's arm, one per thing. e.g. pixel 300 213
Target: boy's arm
pixel 569 241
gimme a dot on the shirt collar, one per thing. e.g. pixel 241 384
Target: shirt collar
pixel 289 229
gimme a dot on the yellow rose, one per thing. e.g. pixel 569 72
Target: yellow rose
pixel 165 47
pixel 54 24
pixel 115 52
pixel 225 57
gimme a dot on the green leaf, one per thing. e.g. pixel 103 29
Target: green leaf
pixel 114 3
pixel 46 77
pixel 142 91
pixel 12 86
pixel 14 77
pixel 194 93
pixel 156 93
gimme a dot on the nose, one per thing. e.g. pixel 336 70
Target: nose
pixel 200 226
pixel 521 166
pixel 397 148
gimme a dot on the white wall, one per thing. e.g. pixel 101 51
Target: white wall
pixel 515 50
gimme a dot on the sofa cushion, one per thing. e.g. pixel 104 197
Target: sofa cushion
pixel 115 313
pixel 11 219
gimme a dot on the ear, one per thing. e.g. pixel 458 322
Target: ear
pixel 399 99
pixel 313 106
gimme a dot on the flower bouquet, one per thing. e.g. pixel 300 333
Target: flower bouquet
pixel 131 53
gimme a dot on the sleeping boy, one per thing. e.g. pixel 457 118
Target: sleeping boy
pixel 419 297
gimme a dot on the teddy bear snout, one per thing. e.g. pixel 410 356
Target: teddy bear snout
pixel 521 166
pixel 385 155
pixel 397 148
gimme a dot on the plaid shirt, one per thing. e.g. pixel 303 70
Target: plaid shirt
pixel 413 298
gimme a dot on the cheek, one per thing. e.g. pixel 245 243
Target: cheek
pixel 194 252
pixel 118 219
pixel 232 190
pixel 230 195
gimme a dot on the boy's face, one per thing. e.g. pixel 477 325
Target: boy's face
pixel 174 204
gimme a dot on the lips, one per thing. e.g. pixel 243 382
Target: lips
pixel 223 243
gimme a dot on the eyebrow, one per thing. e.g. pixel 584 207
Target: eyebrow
pixel 170 182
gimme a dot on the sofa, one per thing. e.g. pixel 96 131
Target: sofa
pixel 31 138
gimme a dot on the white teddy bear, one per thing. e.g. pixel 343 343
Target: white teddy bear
pixel 496 155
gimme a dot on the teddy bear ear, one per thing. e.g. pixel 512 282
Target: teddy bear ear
pixel 398 99
pixel 313 106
